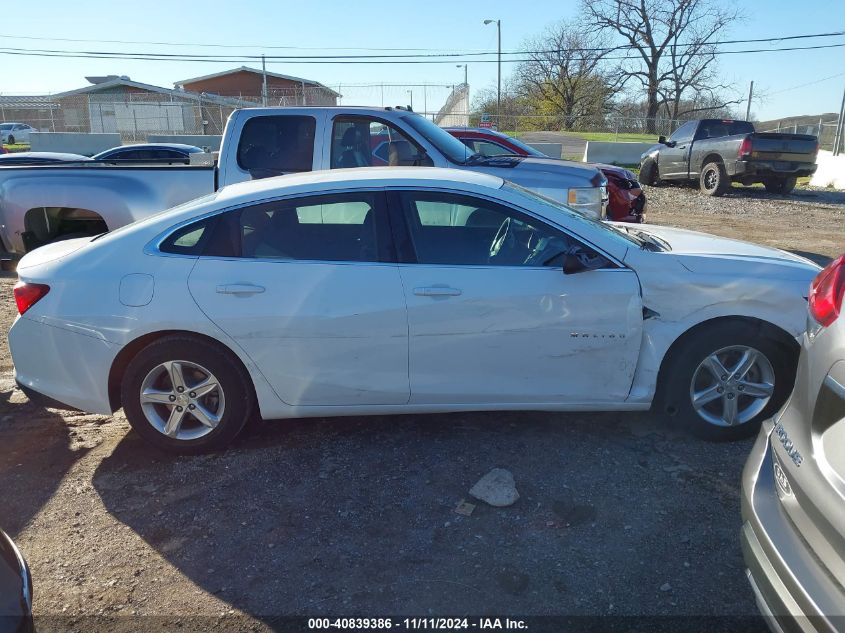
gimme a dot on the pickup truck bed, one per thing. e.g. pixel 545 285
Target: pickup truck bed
pixel 47 202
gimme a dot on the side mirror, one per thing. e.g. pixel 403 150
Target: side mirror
pixel 573 264
pixel 661 139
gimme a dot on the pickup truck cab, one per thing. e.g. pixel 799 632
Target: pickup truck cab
pixel 45 203
pixel 717 152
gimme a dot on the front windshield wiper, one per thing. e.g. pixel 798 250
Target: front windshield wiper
pixel 649 242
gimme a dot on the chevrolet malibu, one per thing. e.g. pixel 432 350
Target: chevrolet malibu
pixel 403 290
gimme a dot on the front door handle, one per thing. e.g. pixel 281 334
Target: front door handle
pixel 239 289
pixel 437 291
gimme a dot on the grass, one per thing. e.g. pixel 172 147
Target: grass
pixel 17 147
pixel 622 137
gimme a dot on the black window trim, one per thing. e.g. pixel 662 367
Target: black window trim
pixel 407 254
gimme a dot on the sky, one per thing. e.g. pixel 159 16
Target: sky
pixel 324 27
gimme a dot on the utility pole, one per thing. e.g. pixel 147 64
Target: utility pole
pixel 499 82
pixel 411 92
pixel 750 95
pixel 263 82
pixel 840 128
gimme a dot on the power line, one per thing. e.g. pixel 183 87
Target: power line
pixel 420 59
pixel 810 83
pixel 457 54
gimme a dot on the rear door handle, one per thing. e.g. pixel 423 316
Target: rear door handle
pixel 437 291
pixel 239 289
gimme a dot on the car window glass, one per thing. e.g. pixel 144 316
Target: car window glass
pixel 340 227
pixel 683 133
pixel 276 145
pixel 189 239
pixel 364 142
pixel 452 229
pixel 488 148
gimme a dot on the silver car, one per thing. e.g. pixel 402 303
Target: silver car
pixel 793 485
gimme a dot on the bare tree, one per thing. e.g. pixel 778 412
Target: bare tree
pixel 564 73
pixel 672 42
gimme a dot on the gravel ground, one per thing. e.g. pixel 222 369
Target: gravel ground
pixel 619 513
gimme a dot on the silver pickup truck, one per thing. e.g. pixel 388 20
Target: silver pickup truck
pixel 40 204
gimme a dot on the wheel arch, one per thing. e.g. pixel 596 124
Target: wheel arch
pixel 131 349
pixel 773 330
pixel 712 157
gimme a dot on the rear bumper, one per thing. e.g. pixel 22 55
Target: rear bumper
pixel 766 169
pixel 793 590
pixel 62 365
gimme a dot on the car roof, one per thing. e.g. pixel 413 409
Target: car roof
pixel 182 146
pixel 360 177
pixel 57 156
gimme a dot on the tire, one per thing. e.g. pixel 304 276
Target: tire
pixel 780 185
pixel 688 373
pixel 649 173
pixel 10 140
pixel 201 363
pixel 714 179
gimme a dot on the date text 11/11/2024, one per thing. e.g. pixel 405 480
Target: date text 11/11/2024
pixel 432 624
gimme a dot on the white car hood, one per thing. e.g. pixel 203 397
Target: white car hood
pixel 706 246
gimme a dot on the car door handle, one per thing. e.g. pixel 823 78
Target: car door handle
pixel 437 291
pixel 239 289
pixel 682 147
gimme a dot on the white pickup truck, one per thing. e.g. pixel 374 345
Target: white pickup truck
pixel 40 204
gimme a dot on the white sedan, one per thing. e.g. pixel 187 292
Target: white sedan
pixel 13 133
pixel 403 290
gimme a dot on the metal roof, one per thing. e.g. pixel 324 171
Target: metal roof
pixel 310 82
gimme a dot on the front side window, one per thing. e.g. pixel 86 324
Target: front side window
pixel 333 227
pixel 684 133
pixel 276 145
pixel 453 229
pixel 365 142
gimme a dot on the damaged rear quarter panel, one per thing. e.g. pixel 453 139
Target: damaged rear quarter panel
pixel 721 286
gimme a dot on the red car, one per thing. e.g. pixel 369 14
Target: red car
pixel 626 200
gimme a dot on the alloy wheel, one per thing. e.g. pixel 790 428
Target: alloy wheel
pixel 732 385
pixel 182 400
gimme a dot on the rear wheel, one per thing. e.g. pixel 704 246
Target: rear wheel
pixel 187 395
pixel 780 185
pixel 714 179
pixel 11 139
pixel 727 378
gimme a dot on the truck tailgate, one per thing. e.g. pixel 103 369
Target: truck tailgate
pixel 799 148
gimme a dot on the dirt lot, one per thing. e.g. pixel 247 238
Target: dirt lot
pixel 619 514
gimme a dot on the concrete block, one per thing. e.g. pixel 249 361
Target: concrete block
pixel 830 171
pixel 614 153
pixel 552 150
pixel 72 142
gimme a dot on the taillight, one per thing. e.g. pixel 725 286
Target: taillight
pixel 826 292
pixel 745 147
pixel 27 295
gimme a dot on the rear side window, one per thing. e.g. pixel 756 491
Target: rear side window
pixel 276 145
pixel 334 227
pixel 715 129
pixel 190 239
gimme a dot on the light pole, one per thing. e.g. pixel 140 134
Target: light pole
pixel 466 87
pixel 499 84
pixel 411 92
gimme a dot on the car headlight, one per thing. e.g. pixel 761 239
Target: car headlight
pixel 589 196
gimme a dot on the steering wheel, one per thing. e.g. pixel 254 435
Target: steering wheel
pixel 502 235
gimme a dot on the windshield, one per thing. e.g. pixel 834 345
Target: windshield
pixel 6 126
pixel 577 216
pixel 451 147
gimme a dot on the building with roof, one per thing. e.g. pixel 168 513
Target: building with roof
pixel 246 82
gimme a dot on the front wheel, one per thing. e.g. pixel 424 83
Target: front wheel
pixel 727 378
pixel 648 173
pixel 10 140
pixel 187 395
